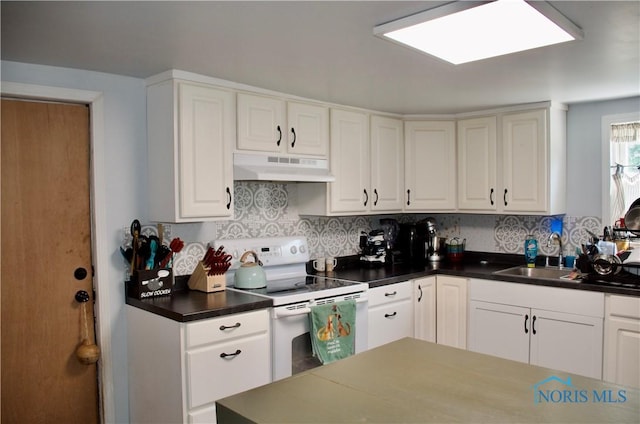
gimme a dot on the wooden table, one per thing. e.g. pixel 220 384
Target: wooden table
pixel 413 381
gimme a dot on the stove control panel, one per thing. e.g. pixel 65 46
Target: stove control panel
pixel 271 251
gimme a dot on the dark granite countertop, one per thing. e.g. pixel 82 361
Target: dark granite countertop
pixel 185 305
pixel 476 265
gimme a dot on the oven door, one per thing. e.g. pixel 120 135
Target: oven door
pixel 291 345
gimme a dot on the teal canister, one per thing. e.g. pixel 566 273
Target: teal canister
pixel 530 250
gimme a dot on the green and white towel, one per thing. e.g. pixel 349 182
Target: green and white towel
pixel 333 328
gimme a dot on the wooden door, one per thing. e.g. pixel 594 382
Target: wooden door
pixel 451 311
pixel 46 243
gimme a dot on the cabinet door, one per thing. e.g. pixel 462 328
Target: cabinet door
pixel 477 164
pixel 206 134
pixel 622 340
pixel 308 131
pixel 424 305
pixel 350 161
pixel 567 342
pixel 622 351
pixel 387 160
pixel 430 165
pixel 499 330
pixel 524 162
pixel 451 311
pixel 261 123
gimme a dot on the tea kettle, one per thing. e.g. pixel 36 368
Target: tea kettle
pixel 250 275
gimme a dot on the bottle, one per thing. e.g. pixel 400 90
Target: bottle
pixel 530 250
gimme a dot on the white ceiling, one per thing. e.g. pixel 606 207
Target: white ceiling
pixel 325 50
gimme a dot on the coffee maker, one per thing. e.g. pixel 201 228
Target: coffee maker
pixel 374 248
pixel 411 242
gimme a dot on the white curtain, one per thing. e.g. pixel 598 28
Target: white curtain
pixel 625 179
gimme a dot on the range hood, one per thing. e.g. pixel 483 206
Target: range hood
pixel 259 167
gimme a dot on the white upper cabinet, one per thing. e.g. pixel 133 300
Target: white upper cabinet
pixel 430 166
pixel 366 158
pixel 271 124
pixel 191 131
pixel 513 162
pixel 350 161
pixel 387 159
pixel 477 143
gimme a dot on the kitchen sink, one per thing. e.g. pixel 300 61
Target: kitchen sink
pixel 544 273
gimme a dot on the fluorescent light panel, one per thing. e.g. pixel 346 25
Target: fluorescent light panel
pixel 464 32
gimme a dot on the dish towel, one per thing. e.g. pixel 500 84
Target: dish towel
pixel 333 329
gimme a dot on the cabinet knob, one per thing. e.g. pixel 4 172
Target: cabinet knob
pixel 390 315
pixel 366 197
pixel 293 131
pixel 526 318
pixel 279 136
pixel 375 202
pixel 408 197
pixel 533 324
pixel 491 197
pixel 229 196
pixel 505 197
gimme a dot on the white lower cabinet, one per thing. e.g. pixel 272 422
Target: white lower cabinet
pixel 178 370
pixel 390 313
pixel 451 311
pixel 424 304
pixel 622 340
pixel 551 327
pixel 440 305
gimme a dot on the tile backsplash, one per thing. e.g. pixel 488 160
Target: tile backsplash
pixel 264 209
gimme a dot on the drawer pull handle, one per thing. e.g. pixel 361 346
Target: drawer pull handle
pixel 226 355
pixel 391 294
pixel 390 315
pixel 526 318
pixel 228 327
pixel 533 324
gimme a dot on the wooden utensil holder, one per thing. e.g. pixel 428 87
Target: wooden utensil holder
pixel 201 280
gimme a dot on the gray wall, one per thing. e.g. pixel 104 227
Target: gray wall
pixel 584 153
pixel 125 158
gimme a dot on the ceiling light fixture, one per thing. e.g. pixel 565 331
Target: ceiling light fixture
pixel 466 31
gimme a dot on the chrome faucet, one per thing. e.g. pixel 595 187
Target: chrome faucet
pixel 559 238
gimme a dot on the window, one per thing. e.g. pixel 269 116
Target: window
pixel 621 149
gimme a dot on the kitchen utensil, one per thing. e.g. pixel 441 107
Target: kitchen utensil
pixel 176 246
pixel 632 218
pixel 153 249
pixel 136 228
pixel 606 264
pixel 250 275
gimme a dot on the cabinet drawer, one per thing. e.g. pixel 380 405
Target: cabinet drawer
pixel 390 322
pixel 224 369
pixel 390 293
pixel 226 328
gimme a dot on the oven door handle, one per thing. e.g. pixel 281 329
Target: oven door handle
pixel 283 312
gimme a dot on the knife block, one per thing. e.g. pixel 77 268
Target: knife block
pixel 201 281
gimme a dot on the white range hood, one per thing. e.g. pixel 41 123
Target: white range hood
pixel 259 167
